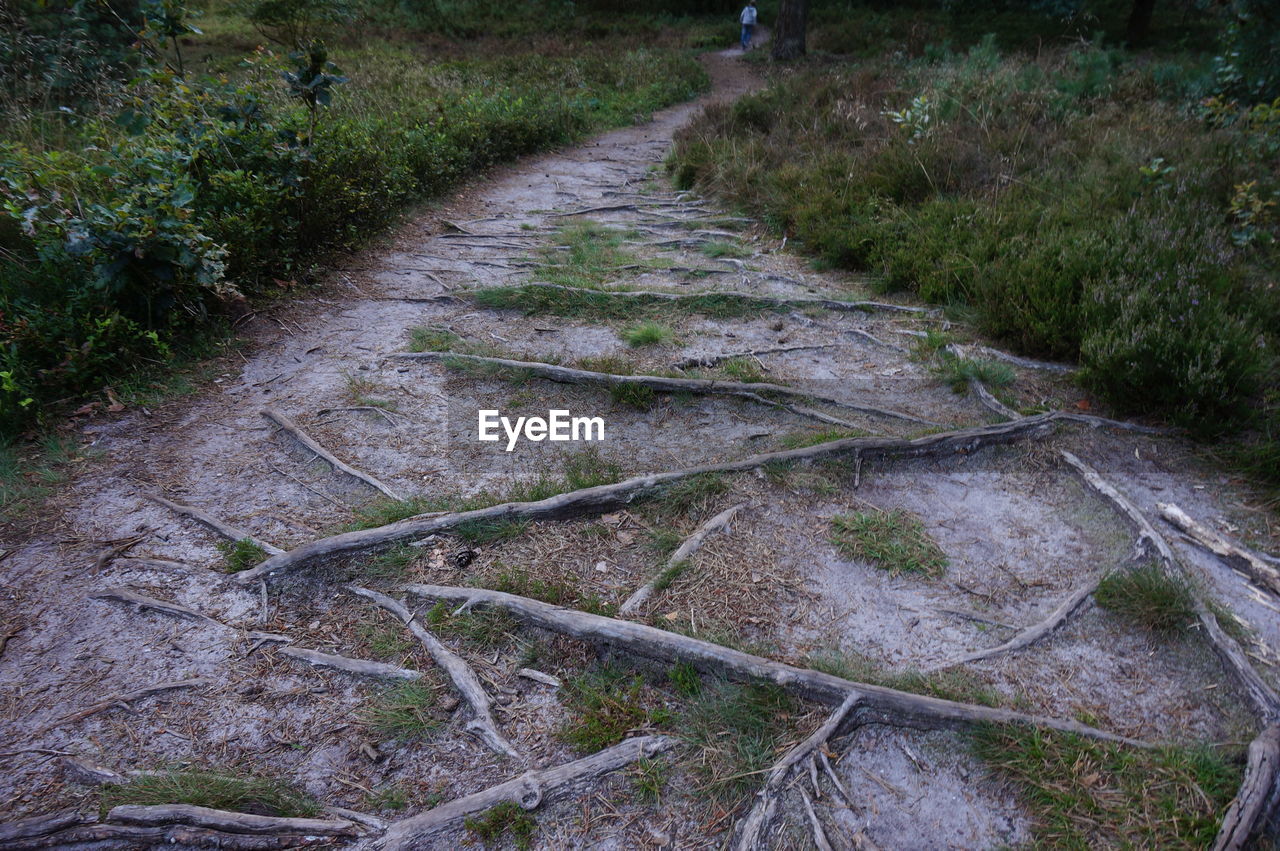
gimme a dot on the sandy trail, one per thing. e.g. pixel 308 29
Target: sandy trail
pixel 1018 529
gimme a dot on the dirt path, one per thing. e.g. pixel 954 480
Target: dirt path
pixel 1019 531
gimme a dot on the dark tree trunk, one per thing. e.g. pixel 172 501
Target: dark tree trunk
pixel 1139 22
pixel 789 29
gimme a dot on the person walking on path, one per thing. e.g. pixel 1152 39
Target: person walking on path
pixel 748 19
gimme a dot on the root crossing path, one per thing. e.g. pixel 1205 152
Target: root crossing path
pixel 770 597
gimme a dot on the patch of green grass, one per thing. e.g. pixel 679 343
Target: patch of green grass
pixel 895 541
pixel 741 369
pixel 605 704
pixel 587 254
pixel 1088 794
pixel 735 731
pixel 481 532
pixel 386 641
pixel 588 468
pixel 685 679
pixel 480 629
pixel 407 710
pixel 960 686
pixel 1150 597
pixel 691 495
pixel 392 564
pixel 724 248
pixel 429 339
pixel 611 364
pixel 603 304
pixel 805 439
pixel 216 790
pixel 633 395
pixel 647 334
pixel 648 777
pixel 387 798
pixel 663 540
pixel 240 555
pixel 958 372
pixel 819 477
pixel 506 818
pixel 670 574
pixel 382 512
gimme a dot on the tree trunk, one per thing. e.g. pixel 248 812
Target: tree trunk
pixel 789 29
pixel 1139 22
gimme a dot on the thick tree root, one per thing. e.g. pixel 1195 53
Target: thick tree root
pixel 154 816
pixel 291 428
pixel 886 705
pixel 988 399
pixel 363 667
pixel 529 790
pixel 1257 795
pixel 751 391
pixel 464 679
pixel 1263 696
pixel 607 497
pixel 753 829
pixel 750 298
pixel 686 550
pixel 130 597
pixel 1033 633
pixel 226 530
pixel 1235 557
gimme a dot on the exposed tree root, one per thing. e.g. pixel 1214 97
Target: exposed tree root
pixel 529 790
pixel 753 298
pixel 988 399
pixel 1025 363
pixel 1263 696
pixel 362 667
pixel 464 679
pixel 707 361
pixel 888 706
pixel 231 822
pixel 1033 633
pixel 740 389
pixel 86 830
pixel 124 699
pixel 606 497
pixel 874 340
pixel 1236 557
pixel 290 427
pixel 754 828
pixel 125 595
pixel 686 550
pixel 226 530
pixel 1257 795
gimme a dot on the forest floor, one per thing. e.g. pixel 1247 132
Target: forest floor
pixel 1020 528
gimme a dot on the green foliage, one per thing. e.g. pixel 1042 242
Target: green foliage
pixel 407 710
pixel 295 23
pixel 506 818
pixel 1149 597
pixel 735 731
pixel 1083 793
pixel 691 495
pixel 741 369
pixel 648 776
pixel 1068 201
pixel 958 372
pixel 646 334
pixel 605 704
pixel 387 798
pixel 486 629
pixel 525 584
pixel 391 565
pixel 257 795
pixel 241 555
pixel 633 395
pixel 685 679
pixel 586 254
pixel 603 304
pixel 895 541
pixel 386 641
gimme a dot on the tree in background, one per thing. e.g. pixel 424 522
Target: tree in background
pixel 789 30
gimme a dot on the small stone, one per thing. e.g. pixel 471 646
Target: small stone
pixel 450 703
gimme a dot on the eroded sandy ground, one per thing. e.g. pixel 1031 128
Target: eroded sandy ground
pixel 1018 528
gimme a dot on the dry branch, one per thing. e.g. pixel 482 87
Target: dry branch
pixel 889 706
pixel 750 391
pixel 1256 795
pixel 529 790
pixel 226 530
pixel 707 361
pixel 1228 650
pixel 686 550
pixel 224 820
pixel 353 666
pixel 290 427
pixel 608 497
pixel 824 303
pixel 464 679
pixel 125 595
pixel 1033 633
pixel 1236 557
pixel 125 698
pixel 753 829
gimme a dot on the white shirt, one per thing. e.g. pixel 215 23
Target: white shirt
pixel 748 15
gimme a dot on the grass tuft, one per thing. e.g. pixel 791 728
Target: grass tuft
pixel 633 395
pixel 805 439
pixel 647 334
pixel 407 710
pixel 256 795
pixel 506 818
pixel 691 495
pixel 605 705
pixel 958 372
pixel 1150 597
pixel 483 629
pixel 895 541
pixel 241 555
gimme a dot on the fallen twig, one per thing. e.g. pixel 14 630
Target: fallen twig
pixel 686 550
pixel 290 427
